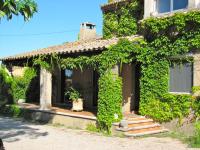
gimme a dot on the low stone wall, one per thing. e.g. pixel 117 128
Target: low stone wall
pixel 184 126
pixel 71 121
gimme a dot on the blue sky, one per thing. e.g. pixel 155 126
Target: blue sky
pixel 63 16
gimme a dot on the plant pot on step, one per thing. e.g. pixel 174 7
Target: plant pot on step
pixel 75 97
pixel 77 105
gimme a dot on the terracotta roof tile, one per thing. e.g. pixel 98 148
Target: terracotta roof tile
pixel 70 48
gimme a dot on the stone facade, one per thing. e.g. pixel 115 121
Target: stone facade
pixel 17 71
pixel 196 70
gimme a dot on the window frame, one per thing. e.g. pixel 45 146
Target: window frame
pixel 192 81
pixel 171 7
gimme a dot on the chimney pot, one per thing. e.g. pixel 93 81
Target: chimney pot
pixel 87 31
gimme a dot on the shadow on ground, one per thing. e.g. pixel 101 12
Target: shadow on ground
pixel 12 130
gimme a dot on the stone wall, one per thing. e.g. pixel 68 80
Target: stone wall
pixel 196 70
pixel 17 71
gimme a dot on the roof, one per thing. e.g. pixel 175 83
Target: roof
pixel 113 4
pixel 71 48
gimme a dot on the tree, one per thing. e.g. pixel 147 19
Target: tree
pixel 26 8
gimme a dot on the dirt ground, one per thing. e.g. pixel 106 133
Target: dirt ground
pixel 18 135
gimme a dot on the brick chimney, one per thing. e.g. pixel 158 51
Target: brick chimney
pixel 87 31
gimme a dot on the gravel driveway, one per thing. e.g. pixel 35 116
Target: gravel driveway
pixel 19 135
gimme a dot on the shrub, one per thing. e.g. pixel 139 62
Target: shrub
pixel 73 94
pixel 5 87
pixel 168 107
pixel 195 140
pixel 11 111
pixel 21 84
pixel 196 106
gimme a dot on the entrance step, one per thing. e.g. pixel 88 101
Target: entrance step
pixel 150 132
pixel 138 126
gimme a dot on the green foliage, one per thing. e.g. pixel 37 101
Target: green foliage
pixel 21 84
pixel 166 108
pixel 11 111
pixel 5 87
pixel 110 100
pixel 195 89
pixel 196 106
pixel 195 140
pixel 47 62
pixel 167 37
pixel 73 94
pixel 122 21
pixel 92 128
pixel 26 8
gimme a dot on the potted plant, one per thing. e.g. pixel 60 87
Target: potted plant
pixel 75 97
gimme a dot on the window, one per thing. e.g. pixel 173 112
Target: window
pixel 164 6
pixel 181 78
pixel 68 73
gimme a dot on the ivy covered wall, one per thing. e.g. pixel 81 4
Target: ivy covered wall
pixel 122 20
pixel 165 37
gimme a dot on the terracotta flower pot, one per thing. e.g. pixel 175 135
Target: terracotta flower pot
pixel 77 105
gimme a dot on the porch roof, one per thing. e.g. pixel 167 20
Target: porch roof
pixel 70 48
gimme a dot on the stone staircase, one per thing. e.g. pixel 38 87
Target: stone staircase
pixel 133 126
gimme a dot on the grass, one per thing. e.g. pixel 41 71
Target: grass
pixel 191 141
pixel 92 128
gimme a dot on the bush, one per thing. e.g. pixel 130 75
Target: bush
pixel 196 106
pixel 21 84
pixel 195 140
pixel 168 107
pixel 6 82
pixel 110 100
pixel 11 111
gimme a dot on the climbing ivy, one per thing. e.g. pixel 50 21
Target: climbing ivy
pixel 110 100
pixel 122 20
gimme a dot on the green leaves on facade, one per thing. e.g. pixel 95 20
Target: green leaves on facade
pixel 110 100
pixel 123 20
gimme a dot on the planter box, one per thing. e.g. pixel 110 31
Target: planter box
pixel 77 105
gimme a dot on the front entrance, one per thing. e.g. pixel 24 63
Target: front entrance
pixel 136 90
pixel 131 87
pixel 86 82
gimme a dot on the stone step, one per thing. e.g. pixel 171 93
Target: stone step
pixel 147 132
pixel 138 127
pixel 134 119
pixel 140 124
pixel 138 121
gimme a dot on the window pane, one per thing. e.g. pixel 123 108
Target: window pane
pixel 163 6
pixel 180 4
pixel 181 78
pixel 68 73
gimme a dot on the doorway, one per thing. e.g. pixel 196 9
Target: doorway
pixel 136 90
pixel 131 87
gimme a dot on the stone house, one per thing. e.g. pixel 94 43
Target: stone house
pixel 52 86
